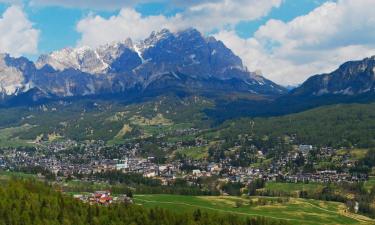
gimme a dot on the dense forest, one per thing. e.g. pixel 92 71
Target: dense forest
pixel 27 202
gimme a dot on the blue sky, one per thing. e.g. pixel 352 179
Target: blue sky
pixel 288 40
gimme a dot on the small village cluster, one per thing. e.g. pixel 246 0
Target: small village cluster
pixel 103 198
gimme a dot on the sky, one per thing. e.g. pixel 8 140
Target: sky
pixel 287 40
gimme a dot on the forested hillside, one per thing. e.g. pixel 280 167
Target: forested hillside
pixel 337 126
pixel 342 125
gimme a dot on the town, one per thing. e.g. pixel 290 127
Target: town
pixel 73 160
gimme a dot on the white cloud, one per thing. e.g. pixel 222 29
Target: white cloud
pixel 17 33
pixel 318 42
pixel 96 30
pixel 207 15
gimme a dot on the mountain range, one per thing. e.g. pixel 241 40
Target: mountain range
pixel 184 61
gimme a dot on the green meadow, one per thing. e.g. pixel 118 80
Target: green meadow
pixel 295 211
pixel 7 138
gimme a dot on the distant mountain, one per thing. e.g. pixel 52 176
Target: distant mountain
pixel 350 79
pixel 352 82
pixel 184 61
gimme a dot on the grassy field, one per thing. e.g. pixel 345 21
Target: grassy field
pixel 355 154
pixel 7 139
pixel 295 211
pixel 194 152
pixel 6 175
pixel 292 188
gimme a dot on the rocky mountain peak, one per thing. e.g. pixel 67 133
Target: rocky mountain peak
pixel 190 34
pixel 156 36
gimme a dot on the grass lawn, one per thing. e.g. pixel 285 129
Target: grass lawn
pixel 296 211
